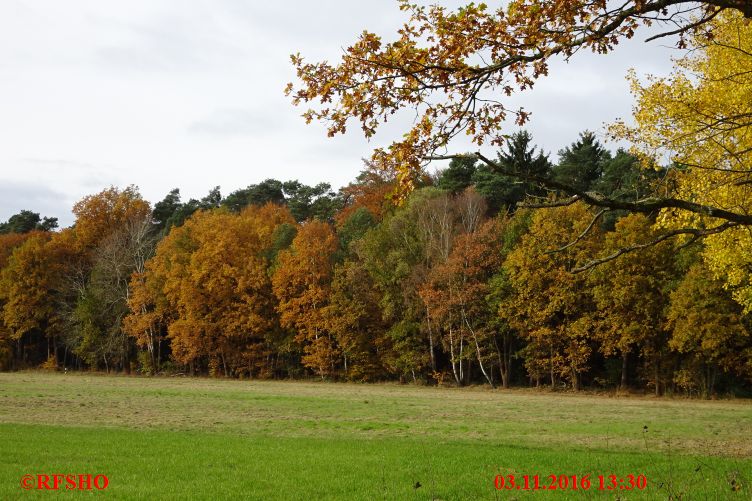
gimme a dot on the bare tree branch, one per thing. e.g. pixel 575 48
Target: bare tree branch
pixel 581 235
pixel 696 233
pixel 649 205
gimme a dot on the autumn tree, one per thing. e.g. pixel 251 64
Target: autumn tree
pixel 372 190
pixel 302 285
pixel 354 319
pixel 398 254
pixel 456 293
pixel 552 307
pixel 700 118
pixel 208 284
pixel 30 290
pixel 501 291
pixel 9 242
pixel 629 294
pixel 149 310
pixel 103 305
pixel 99 215
pixel 152 304
pixel 709 327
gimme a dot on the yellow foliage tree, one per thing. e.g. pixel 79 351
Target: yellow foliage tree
pixel 97 216
pixel 32 287
pixel 551 307
pixel 701 118
pixel 708 325
pixel 629 293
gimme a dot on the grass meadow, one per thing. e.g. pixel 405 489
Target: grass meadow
pixel 185 438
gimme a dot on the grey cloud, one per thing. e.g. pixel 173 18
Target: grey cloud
pixel 181 41
pixel 16 196
pixel 236 122
pixel 58 162
pixel 89 176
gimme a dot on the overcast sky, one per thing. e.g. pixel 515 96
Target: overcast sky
pixel 189 94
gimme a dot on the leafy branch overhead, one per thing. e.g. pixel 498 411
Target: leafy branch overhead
pixel 453 69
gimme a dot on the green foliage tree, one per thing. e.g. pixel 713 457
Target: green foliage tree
pixel 354 319
pixel 581 164
pixel 355 227
pixel 26 221
pixel 166 208
pixel 311 202
pixel 267 191
pixel 506 192
pixel 458 175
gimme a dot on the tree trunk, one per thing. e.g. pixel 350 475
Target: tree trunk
pixel 430 341
pixel 152 352
pixel 451 356
pixel 624 360
pixel 505 360
pixel 553 374
pixel 477 350
pixel 126 356
pixel 462 374
pixel 575 380
pixel 159 354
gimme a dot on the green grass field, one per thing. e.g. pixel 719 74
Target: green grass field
pixel 182 438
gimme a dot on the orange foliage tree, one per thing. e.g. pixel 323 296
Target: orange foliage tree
pixel 99 215
pixel 30 286
pixel 456 293
pixel 8 242
pixel 302 284
pixel 208 283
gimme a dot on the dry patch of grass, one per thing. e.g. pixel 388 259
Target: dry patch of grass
pixel 285 408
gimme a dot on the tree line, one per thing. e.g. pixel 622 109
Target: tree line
pixel 462 283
